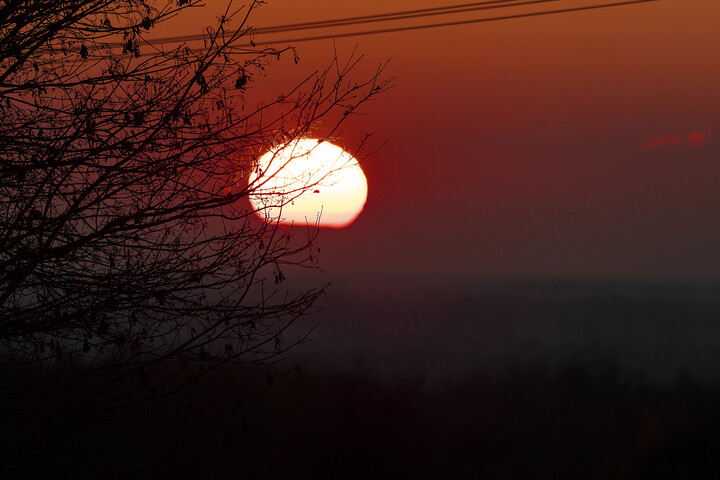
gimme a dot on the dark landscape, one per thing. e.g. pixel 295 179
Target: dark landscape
pixel 566 380
pixel 404 239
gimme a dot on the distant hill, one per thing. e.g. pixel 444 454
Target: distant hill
pixel 449 328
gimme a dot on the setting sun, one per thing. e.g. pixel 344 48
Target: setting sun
pixel 307 178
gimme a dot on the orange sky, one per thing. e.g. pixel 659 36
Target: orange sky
pixel 519 147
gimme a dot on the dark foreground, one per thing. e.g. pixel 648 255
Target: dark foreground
pixel 584 419
pixel 496 381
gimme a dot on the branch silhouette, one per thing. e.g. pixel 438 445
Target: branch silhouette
pixel 127 244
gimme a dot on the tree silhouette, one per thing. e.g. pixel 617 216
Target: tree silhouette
pixel 127 244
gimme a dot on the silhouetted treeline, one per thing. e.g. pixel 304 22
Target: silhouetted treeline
pixel 452 326
pixel 583 419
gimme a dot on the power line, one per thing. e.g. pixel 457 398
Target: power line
pixel 381 17
pixel 407 14
pixel 403 14
pixel 446 24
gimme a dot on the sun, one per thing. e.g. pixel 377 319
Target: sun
pixel 305 180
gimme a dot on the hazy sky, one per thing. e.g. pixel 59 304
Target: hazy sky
pixel 582 144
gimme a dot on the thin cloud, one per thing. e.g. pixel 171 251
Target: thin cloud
pixel 689 141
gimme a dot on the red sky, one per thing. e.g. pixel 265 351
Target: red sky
pixel 582 144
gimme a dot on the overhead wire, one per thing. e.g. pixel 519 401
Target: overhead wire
pixel 448 24
pixel 402 15
pixel 393 16
pixel 357 20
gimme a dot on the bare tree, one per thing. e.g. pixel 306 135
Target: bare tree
pixel 126 239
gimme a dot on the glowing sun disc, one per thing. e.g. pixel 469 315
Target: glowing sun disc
pixel 304 179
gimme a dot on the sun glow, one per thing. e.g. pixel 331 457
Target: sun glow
pixel 308 179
